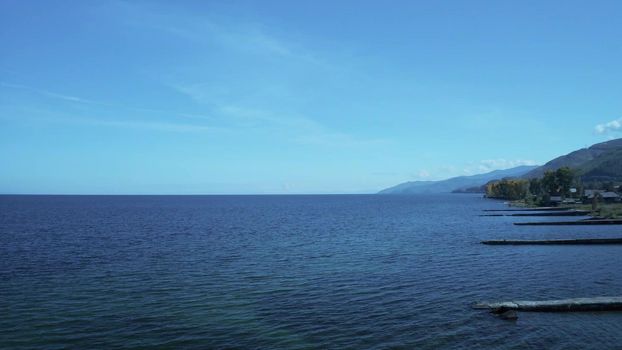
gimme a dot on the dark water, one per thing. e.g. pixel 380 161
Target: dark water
pixel 356 272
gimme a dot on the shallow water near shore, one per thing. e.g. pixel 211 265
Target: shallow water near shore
pixel 357 271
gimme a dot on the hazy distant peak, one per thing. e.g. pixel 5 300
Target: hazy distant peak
pixel 456 183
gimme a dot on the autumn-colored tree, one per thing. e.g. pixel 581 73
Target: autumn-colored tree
pixel 508 189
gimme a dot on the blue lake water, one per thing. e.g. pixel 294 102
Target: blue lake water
pixel 308 272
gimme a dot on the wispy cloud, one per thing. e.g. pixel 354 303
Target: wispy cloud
pixel 80 100
pixel 300 129
pixel 327 138
pixel 256 41
pixel 612 126
pixel 487 165
pixel 164 126
pixel 148 125
pixel 47 93
pixel 208 94
pixel 240 35
pixel 420 175
pixel 472 168
pixel 257 118
pixel 295 127
pixel 63 117
pixel 291 127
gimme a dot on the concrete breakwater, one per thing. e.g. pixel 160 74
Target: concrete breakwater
pixel 547 213
pixel 561 305
pixel 577 222
pixel 554 241
pixel 530 209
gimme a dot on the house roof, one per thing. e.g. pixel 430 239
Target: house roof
pixel 604 194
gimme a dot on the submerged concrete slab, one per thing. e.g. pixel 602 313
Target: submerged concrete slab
pixel 586 241
pixel 561 305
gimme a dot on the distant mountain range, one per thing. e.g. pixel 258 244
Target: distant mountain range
pixel 457 184
pixel 599 162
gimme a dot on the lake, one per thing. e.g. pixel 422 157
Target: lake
pixel 295 272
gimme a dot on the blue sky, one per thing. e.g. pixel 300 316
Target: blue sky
pixel 210 97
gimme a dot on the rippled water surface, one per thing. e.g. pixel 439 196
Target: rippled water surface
pixel 290 272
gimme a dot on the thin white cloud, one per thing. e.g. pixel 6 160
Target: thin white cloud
pixel 473 168
pixel 47 93
pixel 256 117
pixel 423 174
pixel 299 129
pixel 612 126
pixel 327 138
pixel 130 124
pixel 150 125
pixel 200 29
pixel 75 99
pixel 488 165
pixel 203 93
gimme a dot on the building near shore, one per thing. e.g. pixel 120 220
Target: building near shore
pixel 605 196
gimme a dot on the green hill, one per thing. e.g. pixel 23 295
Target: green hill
pixel 600 162
pixel 605 167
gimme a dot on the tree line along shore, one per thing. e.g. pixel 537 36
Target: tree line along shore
pixel 561 187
